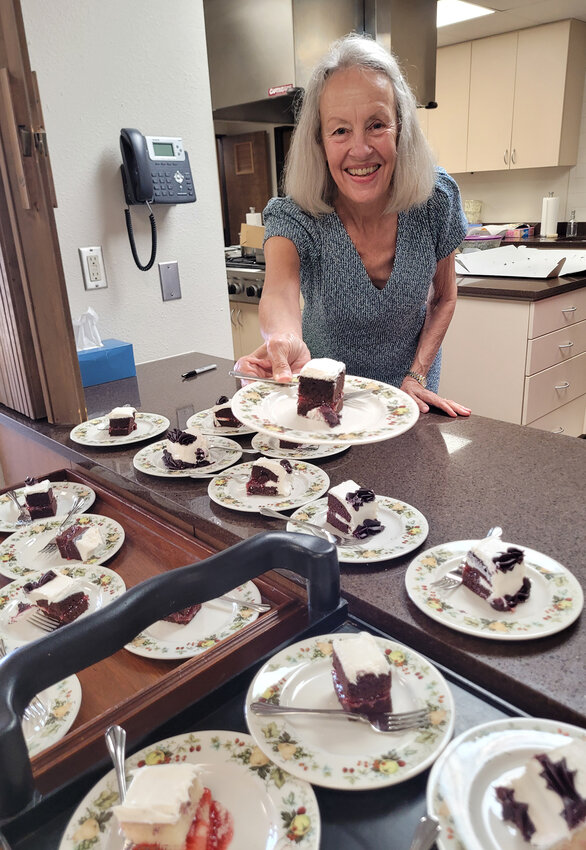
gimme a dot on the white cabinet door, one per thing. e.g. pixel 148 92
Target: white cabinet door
pixel 448 124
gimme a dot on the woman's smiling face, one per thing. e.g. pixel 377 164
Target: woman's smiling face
pixel 359 135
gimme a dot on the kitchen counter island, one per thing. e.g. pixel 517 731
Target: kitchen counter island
pixel 464 475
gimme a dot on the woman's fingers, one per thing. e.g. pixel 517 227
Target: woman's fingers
pixel 425 398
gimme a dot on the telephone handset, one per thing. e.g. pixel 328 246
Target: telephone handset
pixel 155 170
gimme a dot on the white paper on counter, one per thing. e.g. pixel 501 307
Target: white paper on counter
pixel 521 261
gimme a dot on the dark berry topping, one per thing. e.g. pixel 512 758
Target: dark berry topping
pixel 360 497
pixel 181 437
pixel 331 417
pixel 506 561
pixel 287 466
pixel 367 529
pixel 223 399
pixel 32 585
pixel 30 480
pixel 562 780
pixel 516 812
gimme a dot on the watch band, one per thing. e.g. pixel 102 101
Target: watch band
pixel 421 379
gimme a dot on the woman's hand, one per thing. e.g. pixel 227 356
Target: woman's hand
pixel 280 357
pixel 426 397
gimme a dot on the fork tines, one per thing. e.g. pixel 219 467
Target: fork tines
pixel 405 720
pixel 51 546
pixel 43 621
pixel 35 710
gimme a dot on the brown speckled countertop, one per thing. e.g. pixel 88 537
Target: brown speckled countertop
pixel 465 475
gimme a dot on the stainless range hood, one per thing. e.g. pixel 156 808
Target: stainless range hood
pixel 261 51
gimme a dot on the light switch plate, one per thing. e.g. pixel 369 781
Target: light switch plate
pixel 170 286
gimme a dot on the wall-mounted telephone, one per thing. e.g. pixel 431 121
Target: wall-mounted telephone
pixel 155 170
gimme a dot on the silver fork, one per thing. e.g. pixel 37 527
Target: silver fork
pixel 51 545
pixel 453 579
pixel 293 383
pixel 261 607
pixel 36 711
pixel 23 514
pixel 43 621
pixel 316 530
pixel 383 722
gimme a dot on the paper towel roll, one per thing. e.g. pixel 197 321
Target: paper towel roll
pixel 254 218
pixel 549 216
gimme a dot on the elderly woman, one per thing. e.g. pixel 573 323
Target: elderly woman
pixel 366 233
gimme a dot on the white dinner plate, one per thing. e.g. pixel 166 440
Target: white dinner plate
pixel 64 492
pixel 383 413
pixel 556 598
pixel 337 753
pixel 215 621
pixel 308 482
pixel 94 432
pixel 405 528
pixel 270 809
pixel 269 446
pixel 460 790
pixel 150 459
pixel 204 419
pixel 63 702
pixel 19 553
pixel 101 585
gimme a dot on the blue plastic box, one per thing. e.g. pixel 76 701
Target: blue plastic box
pixel 115 360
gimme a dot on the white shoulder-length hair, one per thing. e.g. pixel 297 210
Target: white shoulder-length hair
pixel 307 176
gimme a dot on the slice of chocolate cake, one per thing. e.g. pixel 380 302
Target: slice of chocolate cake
pixel 497 573
pixel 58 595
pixel 79 542
pixel 352 509
pixel 185 616
pixel 268 477
pixel 361 674
pixel 223 415
pixel 186 449
pixel 321 390
pixel 39 499
pixel 121 421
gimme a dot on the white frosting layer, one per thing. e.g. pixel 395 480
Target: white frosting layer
pixel 56 590
pixel 360 654
pixel 159 793
pixel 41 487
pixel 282 483
pixel 89 542
pixel 545 805
pixel 323 368
pixel 500 583
pixel 188 454
pixel 122 413
pixel 368 510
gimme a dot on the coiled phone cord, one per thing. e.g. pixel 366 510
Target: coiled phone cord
pixel 132 243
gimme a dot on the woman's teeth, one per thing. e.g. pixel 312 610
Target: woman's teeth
pixel 362 172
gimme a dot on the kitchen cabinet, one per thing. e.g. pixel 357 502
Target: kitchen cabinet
pixel 519 361
pixel 246 334
pixel 447 126
pixel 525 97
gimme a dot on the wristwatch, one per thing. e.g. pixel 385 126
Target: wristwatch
pixel 421 379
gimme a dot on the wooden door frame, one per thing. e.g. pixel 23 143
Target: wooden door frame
pixel 43 358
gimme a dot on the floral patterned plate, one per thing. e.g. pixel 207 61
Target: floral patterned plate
pixel 336 753
pixel 556 598
pixel 308 482
pixel 383 413
pixel 460 790
pixel 270 809
pixel 269 446
pixel 93 433
pixel 65 493
pixel 19 553
pixel 205 420
pixel 63 701
pixel 405 528
pixel 101 585
pixel 215 621
pixel 150 459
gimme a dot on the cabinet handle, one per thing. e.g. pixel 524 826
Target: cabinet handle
pixel 569 309
pixel 232 317
pixel 238 317
pixel 563 386
pixel 506 157
pixel 558 430
pixel 566 345
pixel 514 155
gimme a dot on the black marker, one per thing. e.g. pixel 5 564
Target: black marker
pixel 193 372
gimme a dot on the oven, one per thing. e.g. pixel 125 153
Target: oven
pixel 245 276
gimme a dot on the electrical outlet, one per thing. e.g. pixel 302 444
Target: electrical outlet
pixel 92 267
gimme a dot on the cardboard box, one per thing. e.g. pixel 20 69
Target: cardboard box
pixel 115 360
pixel 252 235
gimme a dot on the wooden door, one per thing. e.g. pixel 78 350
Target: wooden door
pixel 247 178
pixel 448 124
pixel 39 370
pixel 492 80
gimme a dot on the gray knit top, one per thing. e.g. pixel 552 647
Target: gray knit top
pixel 345 317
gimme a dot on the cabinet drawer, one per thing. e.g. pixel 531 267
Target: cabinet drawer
pixel 541 395
pixel 555 347
pixel 568 420
pixel 559 311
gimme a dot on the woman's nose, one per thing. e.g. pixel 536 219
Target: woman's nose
pixel 360 143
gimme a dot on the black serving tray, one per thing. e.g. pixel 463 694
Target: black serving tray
pixel 352 820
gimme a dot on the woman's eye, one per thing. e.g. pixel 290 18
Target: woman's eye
pixel 340 131
pixel 377 125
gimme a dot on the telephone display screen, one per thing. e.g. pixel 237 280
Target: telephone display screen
pixel 163 149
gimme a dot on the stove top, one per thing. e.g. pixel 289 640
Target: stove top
pixel 244 262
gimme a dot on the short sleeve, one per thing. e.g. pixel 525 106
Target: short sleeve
pixel 446 216
pixel 282 217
